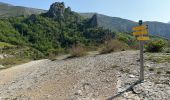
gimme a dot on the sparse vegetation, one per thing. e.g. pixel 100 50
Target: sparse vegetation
pixel 113 45
pixel 52 53
pixel 167 49
pixel 77 51
pixel 114 66
pixel 12 61
pixel 159 58
pixel 5 45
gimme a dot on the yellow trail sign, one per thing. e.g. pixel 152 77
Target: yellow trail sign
pixel 142 38
pixel 138 28
pixel 143 32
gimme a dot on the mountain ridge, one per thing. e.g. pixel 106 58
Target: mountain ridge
pixel 8 10
pixel 124 25
pixel 113 23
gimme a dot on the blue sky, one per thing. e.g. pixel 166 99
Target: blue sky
pixel 147 10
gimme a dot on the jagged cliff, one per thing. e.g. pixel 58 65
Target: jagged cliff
pixel 56 10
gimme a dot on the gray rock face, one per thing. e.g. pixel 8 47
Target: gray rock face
pixel 56 10
pixel 94 21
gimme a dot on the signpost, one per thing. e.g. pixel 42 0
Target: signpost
pixel 139 28
pixel 141 32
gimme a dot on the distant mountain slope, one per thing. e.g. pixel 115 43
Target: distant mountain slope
pixel 159 29
pixel 87 15
pixel 124 25
pixel 112 23
pixel 7 10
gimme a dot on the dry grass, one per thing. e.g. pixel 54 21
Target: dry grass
pixel 78 51
pixel 113 45
pixel 9 62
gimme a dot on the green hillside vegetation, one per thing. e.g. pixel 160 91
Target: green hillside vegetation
pixel 49 32
pixel 3 45
pixel 58 31
pixel 115 24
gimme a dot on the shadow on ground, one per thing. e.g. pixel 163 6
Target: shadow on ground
pixel 130 88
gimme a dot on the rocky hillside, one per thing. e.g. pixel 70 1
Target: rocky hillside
pixel 124 25
pixel 94 77
pixel 112 23
pixel 54 31
pixel 7 10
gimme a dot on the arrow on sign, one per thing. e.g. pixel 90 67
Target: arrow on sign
pixel 142 38
pixel 138 28
pixel 143 32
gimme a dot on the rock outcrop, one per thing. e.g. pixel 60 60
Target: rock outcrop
pixel 94 21
pixel 59 11
pixel 56 10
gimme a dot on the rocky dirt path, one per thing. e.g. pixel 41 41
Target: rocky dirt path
pixel 97 77
pixel 87 77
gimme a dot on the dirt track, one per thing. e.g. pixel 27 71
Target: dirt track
pixel 90 77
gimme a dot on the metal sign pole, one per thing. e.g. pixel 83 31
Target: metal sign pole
pixel 141 58
pixel 141 32
pixel 141 62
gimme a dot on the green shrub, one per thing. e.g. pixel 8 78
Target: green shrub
pixel 113 45
pixel 155 46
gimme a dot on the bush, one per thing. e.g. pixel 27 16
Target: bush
pixel 77 51
pixel 155 46
pixel 113 45
pixel 52 53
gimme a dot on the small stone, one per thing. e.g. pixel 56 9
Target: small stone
pixel 168 91
pixel 138 60
pixel 148 65
pixel 131 76
pixel 79 92
pixel 48 96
